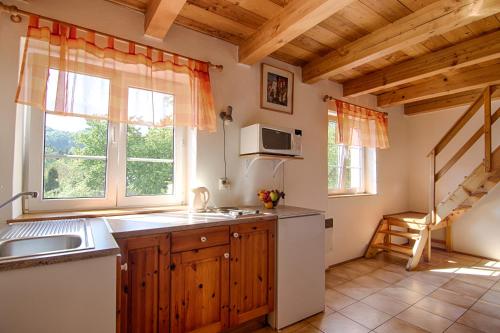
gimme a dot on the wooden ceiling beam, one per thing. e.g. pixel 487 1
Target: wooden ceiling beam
pixel 467 53
pixel 470 78
pixel 160 15
pixel 434 19
pixel 290 22
pixel 445 102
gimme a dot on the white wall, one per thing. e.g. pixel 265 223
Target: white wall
pixel 478 232
pixel 237 85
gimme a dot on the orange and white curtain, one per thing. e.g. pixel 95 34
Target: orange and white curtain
pixel 358 126
pixel 68 71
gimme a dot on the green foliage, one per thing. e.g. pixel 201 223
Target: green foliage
pixel 58 141
pixel 66 177
pixel 150 178
pixel 76 177
pixel 52 180
pixel 333 156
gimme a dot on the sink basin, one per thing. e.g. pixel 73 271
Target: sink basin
pixel 47 237
pixel 37 246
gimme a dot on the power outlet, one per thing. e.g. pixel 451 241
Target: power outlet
pixel 224 184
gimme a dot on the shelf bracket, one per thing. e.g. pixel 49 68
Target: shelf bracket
pixel 249 163
pixel 278 161
pixel 276 167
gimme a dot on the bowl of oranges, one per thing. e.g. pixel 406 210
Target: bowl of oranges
pixel 270 198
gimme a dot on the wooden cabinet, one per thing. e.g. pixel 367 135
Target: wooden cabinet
pixel 200 290
pixel 252 270
pixel 215 278
pixel 144 297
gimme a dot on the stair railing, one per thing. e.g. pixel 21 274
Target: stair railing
pixel 484 99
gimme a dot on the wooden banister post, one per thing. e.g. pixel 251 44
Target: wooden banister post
pixel 432 200
pixel 487 129
pixel 449 238
pixel 432 186
pixel 428 255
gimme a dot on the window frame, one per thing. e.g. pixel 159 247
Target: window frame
pixel 115 188
pixel 368 169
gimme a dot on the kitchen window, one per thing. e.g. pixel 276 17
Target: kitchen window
pixel 351 169
pixel 83 163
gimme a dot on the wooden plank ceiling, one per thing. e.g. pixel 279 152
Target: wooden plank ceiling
pixel 424 54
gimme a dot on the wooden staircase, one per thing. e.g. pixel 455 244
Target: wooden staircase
pixel 409 233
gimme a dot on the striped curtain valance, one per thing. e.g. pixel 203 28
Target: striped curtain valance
pixel 70 71
pixel 359 126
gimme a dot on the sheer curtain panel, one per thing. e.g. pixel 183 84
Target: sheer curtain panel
pixel 358 126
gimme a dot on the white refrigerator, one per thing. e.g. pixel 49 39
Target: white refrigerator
pixel 300 269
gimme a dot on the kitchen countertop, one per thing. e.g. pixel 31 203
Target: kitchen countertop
pixel 147 224
pixel 106 229
pixel 140 225
pixel 284 212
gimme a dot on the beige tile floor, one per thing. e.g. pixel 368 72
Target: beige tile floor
pixel 453 293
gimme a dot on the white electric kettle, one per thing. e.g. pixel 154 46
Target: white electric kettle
pixel 200 198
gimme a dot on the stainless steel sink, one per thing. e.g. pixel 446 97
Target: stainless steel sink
pixel 30 246
pixel 48 237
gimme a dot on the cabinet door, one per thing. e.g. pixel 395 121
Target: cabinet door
pixel 144 306
pixel 252 270
pixel 200 290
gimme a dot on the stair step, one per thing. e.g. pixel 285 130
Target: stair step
pixel 408 235
pixel 405 224
pixel 475 197
pixel 463 207
pixel 413 217
pixel 406 250
pixel 495 178
pixel 478 195
pixel 411 220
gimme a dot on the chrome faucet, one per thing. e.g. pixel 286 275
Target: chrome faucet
pixel 31 194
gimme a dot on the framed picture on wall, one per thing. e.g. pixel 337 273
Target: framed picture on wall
pixel 276 91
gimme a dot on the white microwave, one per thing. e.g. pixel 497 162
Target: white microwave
pixel 259 138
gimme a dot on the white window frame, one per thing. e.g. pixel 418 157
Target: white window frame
pixel 368 172
pixel 115 193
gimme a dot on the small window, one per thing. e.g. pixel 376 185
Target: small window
pixel 351 169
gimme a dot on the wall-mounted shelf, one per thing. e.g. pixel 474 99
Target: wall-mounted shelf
pixel 280 159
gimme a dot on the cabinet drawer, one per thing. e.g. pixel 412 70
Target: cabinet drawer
pixel 199 238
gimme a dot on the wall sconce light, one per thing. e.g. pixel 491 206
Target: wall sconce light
pixel 227 115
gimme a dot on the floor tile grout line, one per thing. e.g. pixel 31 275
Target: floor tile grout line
pixel 453 276
pixel 391 316
pixel 370 329
pixel 472 305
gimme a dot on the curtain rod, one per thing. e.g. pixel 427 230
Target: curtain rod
pixel 330 98
pixel 16 13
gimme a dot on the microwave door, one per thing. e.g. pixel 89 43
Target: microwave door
pixel 276 142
